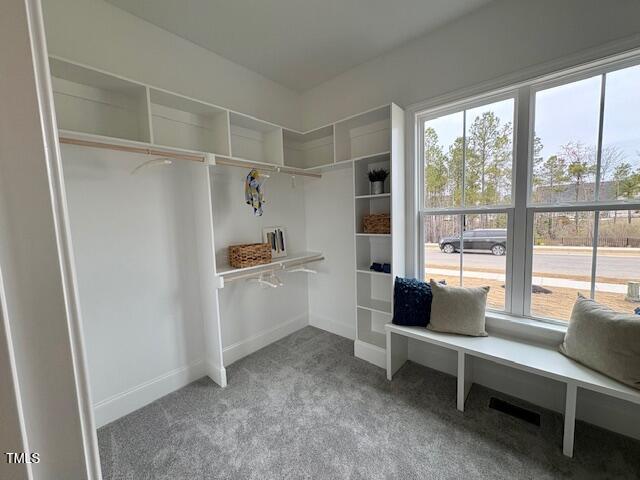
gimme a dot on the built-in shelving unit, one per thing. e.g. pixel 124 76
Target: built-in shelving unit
pixel 308 150
pixel 90 101
pixel 97 107
pixel 181 122
pixel 255 140
pixel 373 140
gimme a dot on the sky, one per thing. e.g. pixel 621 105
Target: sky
pixel 571 113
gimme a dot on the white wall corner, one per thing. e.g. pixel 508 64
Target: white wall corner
pixel 260 340
pixel 330 325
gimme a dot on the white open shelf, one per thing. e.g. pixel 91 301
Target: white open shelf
pixel 308 150
pixel 370 327
pixel 225 270
pixel 255 140
pixel 184 123
pixel 90 101
pixel 364 134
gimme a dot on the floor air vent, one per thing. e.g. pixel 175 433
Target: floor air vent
pixel 515 411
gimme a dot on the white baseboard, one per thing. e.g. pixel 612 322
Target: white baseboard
pixel 370 353
pixel 252 344
pixel 121 404
pixel 332 326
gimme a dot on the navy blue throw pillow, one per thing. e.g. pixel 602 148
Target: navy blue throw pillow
pixel 411 302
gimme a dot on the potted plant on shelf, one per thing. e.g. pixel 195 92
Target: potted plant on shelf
pixel 377 178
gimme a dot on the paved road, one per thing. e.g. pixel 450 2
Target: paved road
pixel 573 264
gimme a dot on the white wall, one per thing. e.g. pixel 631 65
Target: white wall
pixel 331 230
pixel 134 240
pixel 503 38
pixel 38 291
pixel 253 317
pixel 98 34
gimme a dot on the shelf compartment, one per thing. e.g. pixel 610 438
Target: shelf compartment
pixel 255 140
pixel 308 150
pixel 363 135
pixel 372 249
pixel 180 122
pixel 89 101
pixel 373 293
pixel 369 206
pixel 361 169
pixel 370 327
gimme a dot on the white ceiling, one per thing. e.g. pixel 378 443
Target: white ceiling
pixel 299 43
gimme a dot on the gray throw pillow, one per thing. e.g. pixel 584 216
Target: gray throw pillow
pixel 604 340
pixel 458 310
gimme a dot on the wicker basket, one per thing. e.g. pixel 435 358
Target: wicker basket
pixel 249 255
pixel 377 223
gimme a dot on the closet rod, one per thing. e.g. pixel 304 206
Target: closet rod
pixel 269 168
pixel 140 150
pixel 278 267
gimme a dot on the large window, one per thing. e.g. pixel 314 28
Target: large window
pixel 570 225
pixel 468 169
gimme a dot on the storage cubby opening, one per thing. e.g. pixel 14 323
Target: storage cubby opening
pixel 313 149
pixel 372 249
pixel 92 102
pixel 366 134
pixel 370 206
pixel 373 293
pixel 361 174
pixel 184 123
pixel 371 327
pixel 254 140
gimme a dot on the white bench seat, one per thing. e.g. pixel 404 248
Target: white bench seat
pixel 539 359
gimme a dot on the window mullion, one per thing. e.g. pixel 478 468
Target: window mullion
pixel 523 148
pixel 594 258
pixel 463 192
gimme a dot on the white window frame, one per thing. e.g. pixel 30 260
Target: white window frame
pixel 507 209
pixel 521 212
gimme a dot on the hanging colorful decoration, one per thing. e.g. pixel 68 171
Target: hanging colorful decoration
pixel 253 192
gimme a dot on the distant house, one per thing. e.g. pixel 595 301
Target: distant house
pixel 566 193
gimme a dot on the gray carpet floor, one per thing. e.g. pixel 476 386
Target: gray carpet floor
pixel 304 407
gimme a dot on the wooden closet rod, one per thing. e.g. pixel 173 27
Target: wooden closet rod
pixel 268 168
pixel 140 150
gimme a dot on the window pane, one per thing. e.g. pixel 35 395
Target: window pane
pixel 618 260
pixel 620 161
pixel 442 248
pixel 565 141
pixel 489 161
pixel 484 261
pixel 562 258
pixel 443 140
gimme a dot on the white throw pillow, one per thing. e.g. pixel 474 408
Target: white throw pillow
pixel 604 340
pixel 458 310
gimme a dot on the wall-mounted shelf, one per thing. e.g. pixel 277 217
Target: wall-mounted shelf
pixel 229 273
pixel 90 101
pixel 255 140
pixel 181 122
pixel 308 150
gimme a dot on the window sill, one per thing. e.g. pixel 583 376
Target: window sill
pixel 525 329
